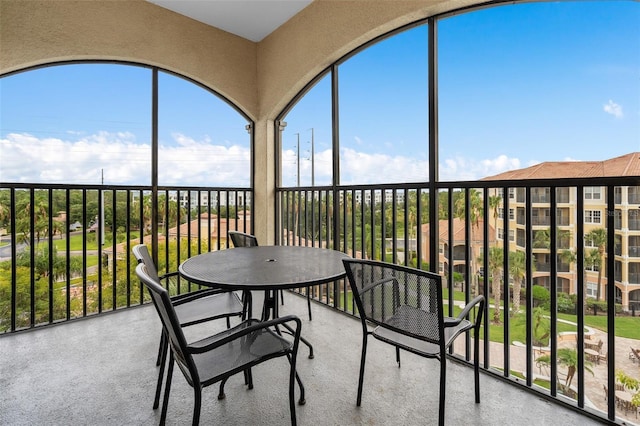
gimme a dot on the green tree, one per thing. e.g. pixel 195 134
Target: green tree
pixel 569 358
pixel 598 237
pixel 475 213
pixel 517 271
pixel 494 203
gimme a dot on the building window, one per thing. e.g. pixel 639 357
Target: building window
pixel 500 233
pixel 512 235
pixel 512 214
pixel 592 216
pixel 591 268
pixel 592 193
pixel 592 290
pixel 501 213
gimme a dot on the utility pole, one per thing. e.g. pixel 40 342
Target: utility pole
pixel 313 174
pixel 298 135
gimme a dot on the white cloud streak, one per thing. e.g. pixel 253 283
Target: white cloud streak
pixel 463 168
pixel 189 162
pixel 125 161
pixel 613 109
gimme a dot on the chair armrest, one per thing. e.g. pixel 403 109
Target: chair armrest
pixel 188 297
pixel 452 322
pixel 206 345
pixel 377 283
pixel 169 275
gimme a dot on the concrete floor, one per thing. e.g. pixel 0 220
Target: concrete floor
pixel 101 371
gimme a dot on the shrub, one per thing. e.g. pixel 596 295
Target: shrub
pixel 540 295
pixel 566 304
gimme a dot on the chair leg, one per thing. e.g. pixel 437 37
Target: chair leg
pixel 476 366
pixel 247 305
pixel 197 390
pixel 282 297
pixel 309 302
pixel 398 356
pixel 293 376
pixel 363 357
pixel 249 379
pixel 443 387
pixel 156 400
pixel 221 394
pixel 161 346
pixel 167 390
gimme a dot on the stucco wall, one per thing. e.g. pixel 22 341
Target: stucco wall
pixel 40 32
pixel 258 77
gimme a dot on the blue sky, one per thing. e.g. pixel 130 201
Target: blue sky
pixel 517 85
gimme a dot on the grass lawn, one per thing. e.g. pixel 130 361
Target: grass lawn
pixel 76 243
pixel 625 326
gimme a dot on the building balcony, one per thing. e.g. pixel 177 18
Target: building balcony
pixel 101 371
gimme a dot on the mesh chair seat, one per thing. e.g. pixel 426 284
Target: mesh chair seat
pixel 207 306
pixel 404 329
pixel 254 348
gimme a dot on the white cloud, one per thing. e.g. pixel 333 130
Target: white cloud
pixel 463 168
pixel 26 158
pixel 364 168
pixel 191 162
pixel 613 109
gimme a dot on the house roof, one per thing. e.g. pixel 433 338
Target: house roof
pixel 243 224
pixel 458 229
pixel 625 165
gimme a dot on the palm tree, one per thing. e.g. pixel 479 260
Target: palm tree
pixel 541 326
pixel 494 203
pixel 569 358
pixel 517 270
pixel 598 237
pixel 475 213
pixel 496 265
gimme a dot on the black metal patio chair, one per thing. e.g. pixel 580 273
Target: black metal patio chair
pixel 224 354
pixel 406 306
pixel 191 308
pixel 242 239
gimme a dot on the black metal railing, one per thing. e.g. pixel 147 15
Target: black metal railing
pixel 66 249
pixel 398 223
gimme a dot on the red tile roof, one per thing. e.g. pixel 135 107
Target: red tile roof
pixel 625 165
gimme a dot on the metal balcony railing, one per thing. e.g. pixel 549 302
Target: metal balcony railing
pixel 66 252
pixel 396 214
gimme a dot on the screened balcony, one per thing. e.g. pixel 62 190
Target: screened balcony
pixel 385 132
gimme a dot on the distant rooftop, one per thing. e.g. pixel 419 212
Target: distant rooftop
pixel 625 165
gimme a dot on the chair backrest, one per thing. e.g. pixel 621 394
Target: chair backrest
pixel 170 322
pixel 141 253
pixel 241 239
pixel 399 298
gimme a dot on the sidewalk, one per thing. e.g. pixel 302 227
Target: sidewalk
pixel 594 390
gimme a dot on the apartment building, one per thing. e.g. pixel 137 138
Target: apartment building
pixel 626 217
